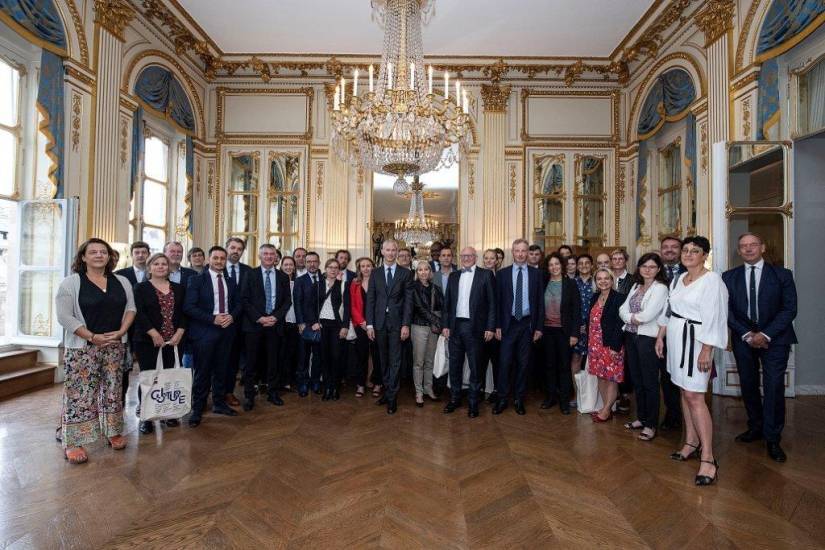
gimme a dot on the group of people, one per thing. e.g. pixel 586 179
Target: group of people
pixel 288 324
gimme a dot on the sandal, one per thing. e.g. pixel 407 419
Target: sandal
pixel 75 455
pixel 635 425
pixel 599 420
pixel 359 392
pixel 679 457
pixel 376 391
pixel 707 480
pixel 117 442
pixel 648 435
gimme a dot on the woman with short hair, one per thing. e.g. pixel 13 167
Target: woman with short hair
pixel 426 326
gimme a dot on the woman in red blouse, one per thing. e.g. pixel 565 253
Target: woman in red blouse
pixel 363 346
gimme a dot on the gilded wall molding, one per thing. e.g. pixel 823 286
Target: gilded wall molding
pixel 263 139
pixel 746 118
pixel 114 16
pixel 77 23
pixel 744 33
pixel 703 147
pixel 80 76
pixel 651 40
pixel 744 81
pixel 715 19
pixel 319 180
pixel 471 180
pixel 571 141
pixel 512 171
pixel 124 141
pixel 495 97
pixel 77 110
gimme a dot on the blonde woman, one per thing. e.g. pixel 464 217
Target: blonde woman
pixel 426 326
pixel 605 342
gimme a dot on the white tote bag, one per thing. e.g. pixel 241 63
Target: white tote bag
pixel 587 392
pixel 441 363
pixel 165 393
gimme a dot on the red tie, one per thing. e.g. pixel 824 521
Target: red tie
pixel 221 295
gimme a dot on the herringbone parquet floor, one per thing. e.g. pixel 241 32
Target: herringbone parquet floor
pixel 314 474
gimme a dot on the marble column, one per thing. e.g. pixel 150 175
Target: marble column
pixel 494 170
pixel 103 219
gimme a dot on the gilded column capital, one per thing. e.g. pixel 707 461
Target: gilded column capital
pixel 715 19
pixel 114 16
pixel 329 92
pixel 495 97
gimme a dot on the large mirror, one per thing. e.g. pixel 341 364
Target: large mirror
pixel 548 201
pixel 242 219
pixel 758 198
pixel 590 200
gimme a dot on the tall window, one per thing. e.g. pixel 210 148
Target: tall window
pixel 10 128
pixel 244 175
pixel 149 208
pixel 812 99
pixel 549 201
pixel 590 200
pixel 670 190
pixel 284 189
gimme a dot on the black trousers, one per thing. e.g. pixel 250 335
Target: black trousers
pixel 488 359
pixel 364 349
pixel 628 385
pixel 516 344
pixel 289 354
pixel 236 358
pixel 211 358
pixel 389 350
pixel 644 365
pixel 263 349
pixel 309 363
pixel 671 394
pixel 764 414
pixel 464 342
pixel 147 356
pixel 557 352
pixel 332 365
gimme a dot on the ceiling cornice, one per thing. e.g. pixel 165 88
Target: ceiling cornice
pixel 190 37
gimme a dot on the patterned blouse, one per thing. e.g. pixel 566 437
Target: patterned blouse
pixel 167 309
pixel 586 293
pixel 635 307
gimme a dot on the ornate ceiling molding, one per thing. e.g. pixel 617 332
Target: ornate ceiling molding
pixel 652 38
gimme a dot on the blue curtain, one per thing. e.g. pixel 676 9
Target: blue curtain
pixel 37 17
pixel 786 22
pixel 190 179
pixel 137 149
pixel 668 99
pixel 767 108
pixel 160 90
pixel 640 176
pixel 51 108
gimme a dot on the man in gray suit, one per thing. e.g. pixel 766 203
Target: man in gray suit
pixel 389 315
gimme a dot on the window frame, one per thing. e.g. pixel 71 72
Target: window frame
pixel 18 130
pixel 674 189
pixel 579 197
pixel 541 163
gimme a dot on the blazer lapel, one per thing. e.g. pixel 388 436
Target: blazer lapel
pixel 474 287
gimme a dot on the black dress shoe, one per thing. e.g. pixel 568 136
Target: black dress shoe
pixel 392 406
pixel 493 398
pixel 565 409
pixel 172 423
pixel 382 401
pixel 451 407
pixel 336 395
pixel 263 389
pixel 500 406
pixel 749 436
pixel 520 410
pixel 146 427
pixel 223 408
pixel 776 453
pixel 472 412
pixel 248 404
pixel 327 395
pixel 549 403
pixel 316 388
pixel 275 399
pixel 194 421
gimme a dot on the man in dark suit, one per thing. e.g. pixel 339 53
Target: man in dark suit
pixel 212 305
pixel 305 295
pixel 136 274
pixel 237 272
pixel 670 249
pixel 469 320
pixel 762 307
pixel 177 273
pixel 389 315
pixel 622 283
pixel 266 299
pixel 435 252
pixel 343 257
pixel 520 318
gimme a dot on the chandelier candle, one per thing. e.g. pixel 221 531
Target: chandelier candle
pixel 355 84
pixel 430 81
pixel 371 71
pixel 446 85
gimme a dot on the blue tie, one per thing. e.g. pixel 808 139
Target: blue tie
pixel 519 298
pixel 268 290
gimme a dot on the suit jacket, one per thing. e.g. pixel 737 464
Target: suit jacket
pixel 148 310
pixel 350 275
pixel 253 298
pixel 199 302
pixel 437 279
pixel 571 306
pixel 432 266
pixel 670 279
pixel 482 301
pixel 129 273
pixel 339 295
pixel 390 308
pixel 626 284
pixel 535 296
pixel 776 304
pixel 243 272
pixel 612 324
pixel 303 296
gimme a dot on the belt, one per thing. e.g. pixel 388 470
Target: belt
pixel 688 323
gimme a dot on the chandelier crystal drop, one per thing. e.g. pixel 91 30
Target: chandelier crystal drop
pixel 400 126
pixel 417 228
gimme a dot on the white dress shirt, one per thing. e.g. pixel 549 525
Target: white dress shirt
pixel 140 274
pixel 300 272
pixel 619 279
pixel 174 276
pixel 465 286
pixel 237 266
pixel 216 295
pixel 326 309
pixel 758 276
pixel 290 315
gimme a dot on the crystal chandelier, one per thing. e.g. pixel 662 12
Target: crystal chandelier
pixel 416 229
pixel 400 127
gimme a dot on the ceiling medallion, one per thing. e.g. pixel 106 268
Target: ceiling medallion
pixel 400 126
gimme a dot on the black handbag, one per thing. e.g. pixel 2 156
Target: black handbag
pixel 311 336
pixel 435 326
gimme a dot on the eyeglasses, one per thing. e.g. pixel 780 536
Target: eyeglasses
pixel 467 256
pixel 693 251
pixel 648 266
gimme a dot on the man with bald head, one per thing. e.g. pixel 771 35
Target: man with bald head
pixel 469 319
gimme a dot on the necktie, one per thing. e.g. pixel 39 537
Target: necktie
pixel 268 290
pixel 519 301
pixel 389 278
pixel 754 314
pixel 221 295
pixel 467 270
pixel 232 274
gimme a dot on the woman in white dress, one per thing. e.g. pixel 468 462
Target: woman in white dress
pixel 695 322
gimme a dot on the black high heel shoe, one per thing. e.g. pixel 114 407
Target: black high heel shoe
pixel 707 480
pixel 678 456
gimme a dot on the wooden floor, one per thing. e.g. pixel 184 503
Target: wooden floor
pixel 314 474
